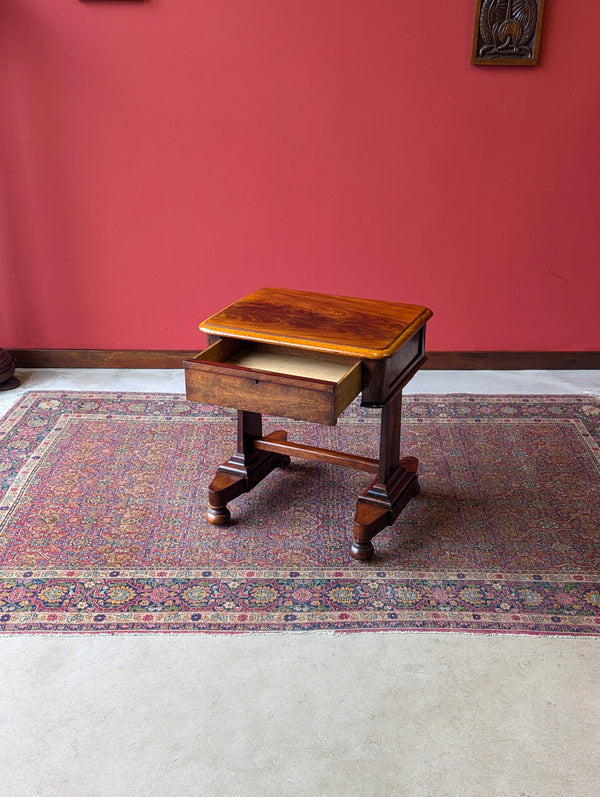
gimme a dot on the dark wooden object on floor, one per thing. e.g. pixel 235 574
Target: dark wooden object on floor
pixel 307 356
pixel 8 380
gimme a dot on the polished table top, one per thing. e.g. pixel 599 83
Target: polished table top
pixel 364 328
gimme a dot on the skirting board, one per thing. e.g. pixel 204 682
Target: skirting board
pixel 436 360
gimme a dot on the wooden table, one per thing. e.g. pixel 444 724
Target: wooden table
pixel 305 355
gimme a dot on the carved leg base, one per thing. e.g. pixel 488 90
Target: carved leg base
pixel 240 474
pixel 380 505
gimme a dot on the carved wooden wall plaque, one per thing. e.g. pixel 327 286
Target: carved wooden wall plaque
pixel 507 32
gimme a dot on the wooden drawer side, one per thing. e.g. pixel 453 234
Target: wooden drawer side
pixel 383 378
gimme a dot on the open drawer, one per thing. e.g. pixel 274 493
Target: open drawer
pixel 273 380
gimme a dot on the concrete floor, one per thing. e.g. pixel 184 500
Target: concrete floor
pixel 301 714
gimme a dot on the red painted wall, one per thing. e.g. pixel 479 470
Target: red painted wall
pixel 161 159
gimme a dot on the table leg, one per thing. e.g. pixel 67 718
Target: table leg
pixel 244 470
pixel 396 483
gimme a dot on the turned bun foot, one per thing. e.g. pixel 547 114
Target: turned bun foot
pixel 361 550
pixel 218 515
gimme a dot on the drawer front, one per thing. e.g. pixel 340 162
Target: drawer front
pixel 211 379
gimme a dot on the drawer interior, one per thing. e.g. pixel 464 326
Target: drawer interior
pixel 284 360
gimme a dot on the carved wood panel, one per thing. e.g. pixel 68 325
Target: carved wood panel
pixel 507 32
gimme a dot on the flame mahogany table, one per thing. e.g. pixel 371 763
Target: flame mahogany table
pixel 305 355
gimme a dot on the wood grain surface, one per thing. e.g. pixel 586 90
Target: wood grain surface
pixel 364 328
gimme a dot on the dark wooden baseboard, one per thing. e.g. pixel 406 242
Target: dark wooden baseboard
pixel 100 358
pixel 436 360
pixel 513 360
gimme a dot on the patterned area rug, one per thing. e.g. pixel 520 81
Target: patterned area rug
pixel 102 529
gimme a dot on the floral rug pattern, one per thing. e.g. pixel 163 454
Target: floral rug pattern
pixel 102 527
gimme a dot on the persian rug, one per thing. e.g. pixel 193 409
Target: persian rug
pixel 102 521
